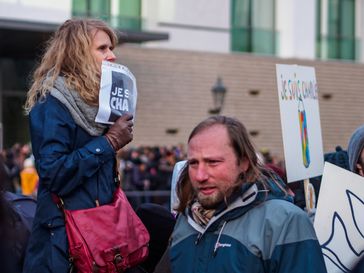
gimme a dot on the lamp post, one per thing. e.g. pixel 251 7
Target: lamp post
pixel 218 94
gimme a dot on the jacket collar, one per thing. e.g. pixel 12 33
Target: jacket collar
pixel 242 200
pixel 237 200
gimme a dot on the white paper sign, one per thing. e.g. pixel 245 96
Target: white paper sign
pixel 339 221
pixel 118 93
pixel 300 119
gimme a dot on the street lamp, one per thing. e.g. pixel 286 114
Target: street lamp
pixel 218 94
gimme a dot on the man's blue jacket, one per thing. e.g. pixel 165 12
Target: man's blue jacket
pixel 258 231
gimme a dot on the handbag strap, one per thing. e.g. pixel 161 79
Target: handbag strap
pixel 58 201
pixel 116 175
pixel 60 204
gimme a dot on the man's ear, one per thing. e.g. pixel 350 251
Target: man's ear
pixel 244 165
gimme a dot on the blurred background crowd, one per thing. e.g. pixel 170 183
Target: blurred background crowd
pixel 145 171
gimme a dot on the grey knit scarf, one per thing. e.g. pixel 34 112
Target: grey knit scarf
pixel 82 113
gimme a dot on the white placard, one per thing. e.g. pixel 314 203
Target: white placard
pixel 300 119
pixel 118 93
pixel 339 221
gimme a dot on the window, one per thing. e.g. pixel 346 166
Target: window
pixel 125 14
pixel 129 14
pixel 341 29
pixel 91 8
pixel 13 93
pixel 340 41
pixel 252 26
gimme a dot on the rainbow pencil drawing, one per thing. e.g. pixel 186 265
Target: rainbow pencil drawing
pixel 303 131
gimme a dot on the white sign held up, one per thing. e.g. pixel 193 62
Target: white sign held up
pixel 339 221
pixel 118 93
pixel 300 120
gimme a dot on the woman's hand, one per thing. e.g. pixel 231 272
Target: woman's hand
pixel 121 132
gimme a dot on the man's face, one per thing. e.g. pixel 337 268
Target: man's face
pixel 213 166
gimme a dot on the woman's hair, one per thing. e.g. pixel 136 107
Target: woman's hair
pixel 68 53
pixel 243 149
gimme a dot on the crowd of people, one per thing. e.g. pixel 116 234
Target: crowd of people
pixel 150 168
pixel 143 168
pixel 17 170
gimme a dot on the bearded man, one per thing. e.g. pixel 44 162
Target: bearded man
pixel 234 215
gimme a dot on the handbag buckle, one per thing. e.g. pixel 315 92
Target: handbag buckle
pixel 118 258
pixel 60 204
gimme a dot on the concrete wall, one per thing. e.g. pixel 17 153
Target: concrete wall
pixel 295 23
pixel 49 11
pixel 174 92
pixel 202 25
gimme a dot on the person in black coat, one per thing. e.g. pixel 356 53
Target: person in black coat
pixel 13 235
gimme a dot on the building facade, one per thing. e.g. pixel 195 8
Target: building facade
pixel 311 29
pixel 174 94
pixel 177 49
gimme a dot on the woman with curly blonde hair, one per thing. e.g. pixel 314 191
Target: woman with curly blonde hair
pixel 74 155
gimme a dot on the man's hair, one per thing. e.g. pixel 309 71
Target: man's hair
pixel 68 53
pixel 243 149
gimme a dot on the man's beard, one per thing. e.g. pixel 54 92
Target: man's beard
pixel 213 200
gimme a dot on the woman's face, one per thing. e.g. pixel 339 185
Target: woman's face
pixel 101 48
